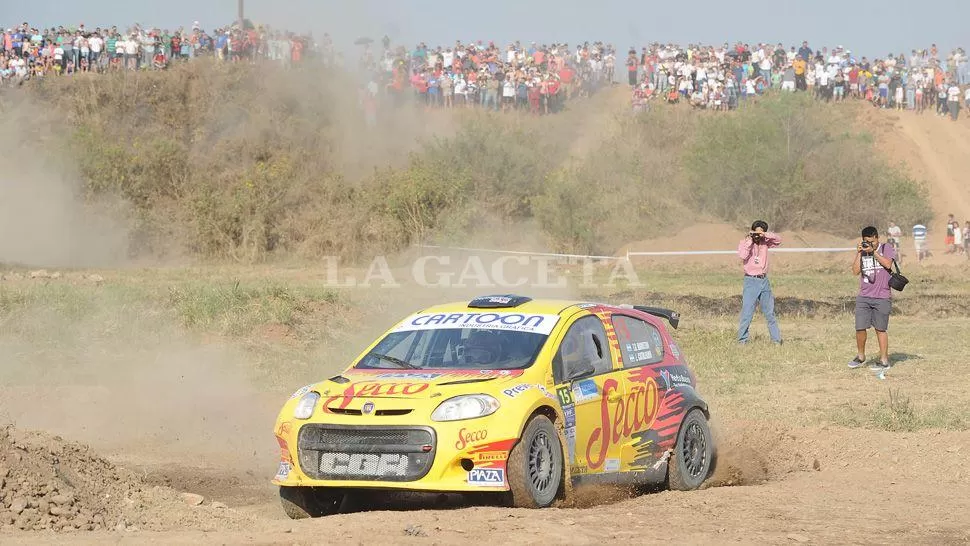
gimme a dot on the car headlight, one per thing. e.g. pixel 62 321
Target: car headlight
pixel 304 408
pixel 466 406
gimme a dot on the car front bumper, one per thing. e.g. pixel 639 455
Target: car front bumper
pixel 460 456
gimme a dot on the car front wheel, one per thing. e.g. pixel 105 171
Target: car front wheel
pixel 535 466
pixel 692 459
pixel 310 502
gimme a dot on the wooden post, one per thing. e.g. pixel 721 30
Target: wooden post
pixel 241 16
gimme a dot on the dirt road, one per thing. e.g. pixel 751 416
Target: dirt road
pixel 851 487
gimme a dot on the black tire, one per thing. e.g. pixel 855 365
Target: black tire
pixel 692 460
pixel 535 466
pixel 310 502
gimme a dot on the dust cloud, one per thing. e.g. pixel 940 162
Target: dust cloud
pixel 152 398
pixel 44 219
pixel 742 460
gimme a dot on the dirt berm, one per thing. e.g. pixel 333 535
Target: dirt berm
pixel 47 483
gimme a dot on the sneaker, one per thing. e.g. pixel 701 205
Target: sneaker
pixel 879 366
pixel 856 363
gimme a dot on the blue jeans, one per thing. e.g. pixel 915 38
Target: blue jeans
pixel 756 289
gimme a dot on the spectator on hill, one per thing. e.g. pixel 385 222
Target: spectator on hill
pixel 948 241
pixel 966 239
pixel 957 237
pixel 159 61
pixel 753 251
pixel 895 236
pixel 953 100
pixel 919 241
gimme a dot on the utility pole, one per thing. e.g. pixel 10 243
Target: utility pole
pixel 241 16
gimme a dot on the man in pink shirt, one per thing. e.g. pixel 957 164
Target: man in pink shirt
pixel 753 251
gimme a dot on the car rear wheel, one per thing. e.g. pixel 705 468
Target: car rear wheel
pixel 693 457
pixel 535 466
pixel 310 502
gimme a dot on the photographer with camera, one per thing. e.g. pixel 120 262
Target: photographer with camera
pixel 873 262
pixel 753 251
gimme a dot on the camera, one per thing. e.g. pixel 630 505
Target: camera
pixel 758 238
pixel 866 245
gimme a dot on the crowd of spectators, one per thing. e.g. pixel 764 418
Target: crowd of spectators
pixel 30 52
pixel 525 77
pixel 719 78
pixel 541 78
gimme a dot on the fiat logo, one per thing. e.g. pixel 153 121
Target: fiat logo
pixel 368 407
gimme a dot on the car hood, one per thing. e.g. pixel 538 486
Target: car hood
pixel 413 384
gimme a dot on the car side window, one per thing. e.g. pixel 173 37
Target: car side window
pixel 640 342
pixel 585 341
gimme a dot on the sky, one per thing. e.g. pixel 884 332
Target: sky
pixel 862 27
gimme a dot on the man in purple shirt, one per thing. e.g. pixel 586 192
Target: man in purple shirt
pixel 753 251
pixel 873 262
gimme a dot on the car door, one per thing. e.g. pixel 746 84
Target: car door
pixel 585 368
pixel 642 350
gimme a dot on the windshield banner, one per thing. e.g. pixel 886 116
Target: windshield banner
pixel 517 322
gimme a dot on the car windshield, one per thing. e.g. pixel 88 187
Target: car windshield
pixel 489 341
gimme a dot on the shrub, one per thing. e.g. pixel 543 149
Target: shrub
pixel 625 189
pixel 231 162
pixel 789 159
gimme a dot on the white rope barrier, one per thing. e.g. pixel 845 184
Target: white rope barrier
pixel 711 252
pixel 520 252
pixel 629 254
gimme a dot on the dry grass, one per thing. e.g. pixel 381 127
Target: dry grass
pixel 806 381
pixel 294 329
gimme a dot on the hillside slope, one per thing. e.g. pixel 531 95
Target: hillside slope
pixel 934 150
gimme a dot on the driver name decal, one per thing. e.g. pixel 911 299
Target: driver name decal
pixel 518 322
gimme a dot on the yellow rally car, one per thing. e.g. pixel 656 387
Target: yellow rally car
pixel 503 393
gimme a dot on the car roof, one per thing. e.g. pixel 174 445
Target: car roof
pixel 536 306
pixel 511 303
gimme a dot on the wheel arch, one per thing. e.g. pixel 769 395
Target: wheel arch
pixel 545 409
pixel 692 399
pixel 541 409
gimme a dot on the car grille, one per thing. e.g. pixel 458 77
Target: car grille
pixel 379 413
pixel 331 452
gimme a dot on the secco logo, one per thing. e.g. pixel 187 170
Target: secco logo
pixel 466 437
pixel 487 477
pixel 634 413
pixel 375 389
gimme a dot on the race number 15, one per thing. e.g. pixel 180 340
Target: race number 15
pixel 565 395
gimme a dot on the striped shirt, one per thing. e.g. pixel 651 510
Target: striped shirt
pixel 919 232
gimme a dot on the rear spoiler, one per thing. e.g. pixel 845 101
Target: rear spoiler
pixel 673 317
